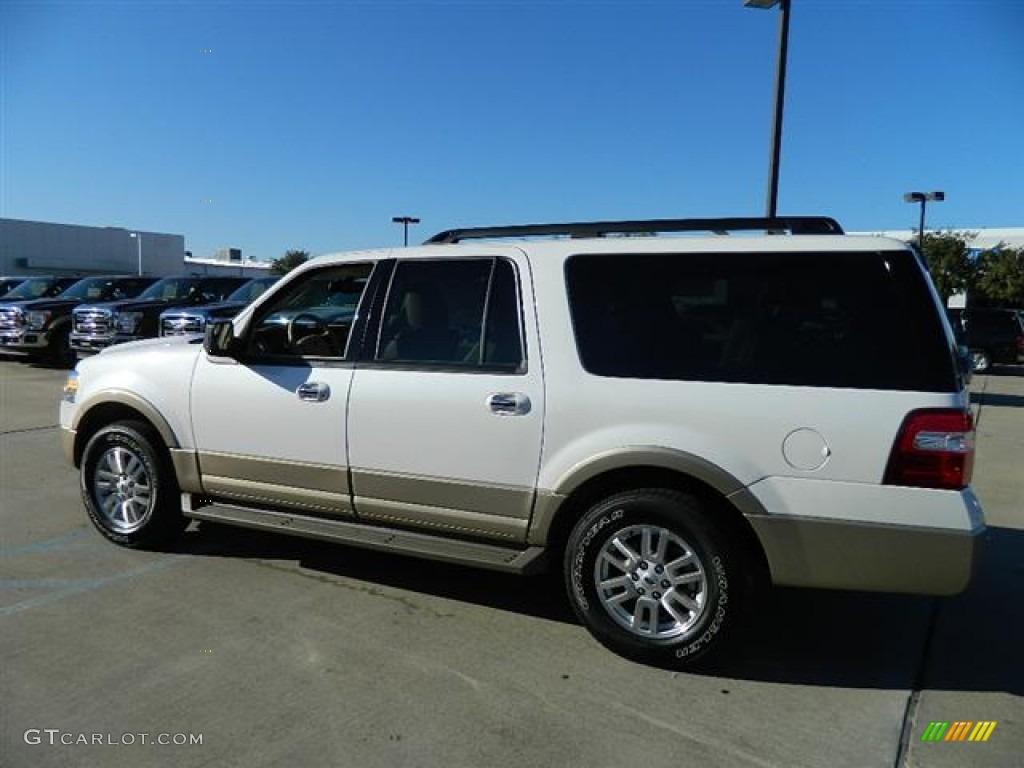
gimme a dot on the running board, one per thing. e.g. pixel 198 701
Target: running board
pixel 491 556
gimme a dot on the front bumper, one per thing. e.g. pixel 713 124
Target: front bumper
pixel 24 342
pixel 89 345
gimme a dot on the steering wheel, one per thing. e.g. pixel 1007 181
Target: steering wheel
pixel 308 322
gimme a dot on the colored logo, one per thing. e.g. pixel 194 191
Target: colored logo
pixel 958 730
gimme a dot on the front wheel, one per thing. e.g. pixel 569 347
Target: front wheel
pixel 60 352
pixel 652 578
pixel 128 486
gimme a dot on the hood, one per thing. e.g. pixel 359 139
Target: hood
pixel 144 344
pixel 30 305
pixel 136 305
pixel 218 309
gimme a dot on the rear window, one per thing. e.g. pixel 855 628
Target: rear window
pixel 854 320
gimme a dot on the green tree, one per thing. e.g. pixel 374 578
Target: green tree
pixel 1000 276
pixel 949 262
pixel 288 262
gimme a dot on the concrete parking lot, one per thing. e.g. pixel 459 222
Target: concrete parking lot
pixel 273 651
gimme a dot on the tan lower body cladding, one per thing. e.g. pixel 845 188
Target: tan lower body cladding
pixel 461 508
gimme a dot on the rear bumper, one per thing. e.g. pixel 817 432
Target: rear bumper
pixel 860 556
pixel 841 535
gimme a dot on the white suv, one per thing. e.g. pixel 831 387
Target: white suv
pixel 673 419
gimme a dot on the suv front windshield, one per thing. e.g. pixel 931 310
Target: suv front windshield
pixel 252 290
pixel 31 289
pixel 171 288
pixel 91 288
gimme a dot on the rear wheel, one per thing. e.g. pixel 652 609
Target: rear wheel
pixel 652 578
pixel 128 486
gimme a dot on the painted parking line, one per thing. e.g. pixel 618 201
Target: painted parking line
pixel 62 589
pixel 49 545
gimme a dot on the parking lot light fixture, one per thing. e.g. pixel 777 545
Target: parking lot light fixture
pixel 922 198
pixel 405 221
pixel 137 236
pixel 780 97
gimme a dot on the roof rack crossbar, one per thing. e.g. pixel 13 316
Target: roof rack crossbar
pixel 796 225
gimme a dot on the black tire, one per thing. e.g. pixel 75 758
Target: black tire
pixel 668 616
pixel 129 488
pixel 60 352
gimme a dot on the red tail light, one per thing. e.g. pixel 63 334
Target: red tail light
pixel 934 449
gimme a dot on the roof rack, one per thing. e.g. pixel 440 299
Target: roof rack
pixel 795 225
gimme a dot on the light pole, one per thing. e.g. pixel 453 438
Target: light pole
pixel 138 238
pixel 780 98
pixel 405 221
pixel 922 198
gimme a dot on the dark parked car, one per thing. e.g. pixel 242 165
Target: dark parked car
pixel 40 327
pixel 98 326
pixel 182 321
pixel 12 317
pixel 993 336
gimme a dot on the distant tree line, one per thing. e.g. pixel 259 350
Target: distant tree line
pixel 288 262
pixel 994 277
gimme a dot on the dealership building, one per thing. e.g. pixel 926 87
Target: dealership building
pixel 45 248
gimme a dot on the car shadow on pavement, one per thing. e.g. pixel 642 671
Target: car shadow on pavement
pixel 992 398
pixel 1007 370
pixel 540 595
pixel 971 642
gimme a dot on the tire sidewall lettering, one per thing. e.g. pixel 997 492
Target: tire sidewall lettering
pixel 578 581
pixel 583 591
pixel 721 581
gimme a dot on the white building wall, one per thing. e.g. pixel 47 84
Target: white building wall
pixel 38 248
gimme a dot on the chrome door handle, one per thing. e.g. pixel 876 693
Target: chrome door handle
pixel 509 403
pixel 314 391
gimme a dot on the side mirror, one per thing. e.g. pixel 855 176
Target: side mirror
pixel 220 340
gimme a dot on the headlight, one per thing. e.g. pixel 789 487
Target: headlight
pixel 70 387
pixel 37 320
pixel 128 322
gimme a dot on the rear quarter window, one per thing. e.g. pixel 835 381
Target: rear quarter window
pixel 842 319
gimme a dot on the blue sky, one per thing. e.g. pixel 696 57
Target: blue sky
pixel 277 125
